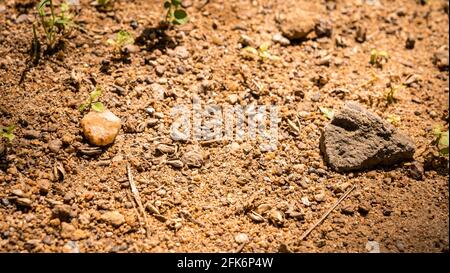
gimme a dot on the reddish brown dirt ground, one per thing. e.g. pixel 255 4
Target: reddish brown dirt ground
pixel 204 209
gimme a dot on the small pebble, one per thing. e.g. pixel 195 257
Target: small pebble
pixel 31 134
pixel 150 110
pixel 233 98
pixel 182 52
pixel 305 201
pixel 373 247
pixel 159 69
pixel 62 212
pixel 245 40
pixel 101 128
pixel 279 38
pixel 25 202
pixel 55 145
pixel 319 197
pixel 17 192
pixel 44 186
pixel 113 218
pixel 134 24
pixel 241 238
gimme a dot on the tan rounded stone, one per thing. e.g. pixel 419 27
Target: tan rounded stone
pixel 100 128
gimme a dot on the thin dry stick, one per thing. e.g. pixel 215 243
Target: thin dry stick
pixel 155 138
pixel 293 126
pixel 241 247
pixel 306 233
pixel 137 198
pixel 134 206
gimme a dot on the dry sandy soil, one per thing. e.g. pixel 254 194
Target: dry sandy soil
pixel 59 194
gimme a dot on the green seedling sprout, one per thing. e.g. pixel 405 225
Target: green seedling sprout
pixel 64 20
pixel 103 3
pixel 391 93
pixel 441 140
pixel 35 48
pixel 7 132
pixel 175 15
pixel 123 38
pixel 378 58
pixel 92 102
pixel 52 23
pixel 262 52
pixel 327 112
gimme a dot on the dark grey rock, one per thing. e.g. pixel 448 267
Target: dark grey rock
pixel 357 139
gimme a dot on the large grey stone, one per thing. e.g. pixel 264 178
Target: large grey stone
pixel 357 139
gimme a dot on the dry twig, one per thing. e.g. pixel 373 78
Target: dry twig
pixel 134 206
pixel 137 198
pixel 306 233
pixel 241 247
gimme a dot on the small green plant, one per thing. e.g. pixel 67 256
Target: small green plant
pixel 7 132
pixel 103 3
pixel 175 15
pixel 441 140
pixel 53 24
pixel 92 102
pixel 378 58
pixel 391 93
pixel 327 112
pixel 122 39
pixel 35 51
pixel 262 52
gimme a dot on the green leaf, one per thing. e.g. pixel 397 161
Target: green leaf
pixel 8 136
pixel 102 2
pixel 443 143
pixel 7 132
pixel 41 7
pixel 383 54
pixel 327 112
pixel 82 107
pixel 64 7
pixel 176 2
pixel 181 17
pixel 63 22
pixel 251 50
pixel 437 131
pixel 264 47
pixel 124 38
pixel 264 55
pixel 94 95
pixel 373 56
pixel 167 5
pixel 98 106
